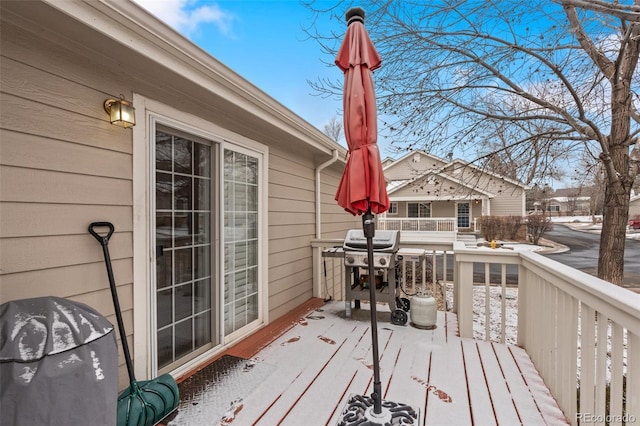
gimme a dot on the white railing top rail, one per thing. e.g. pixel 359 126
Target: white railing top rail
pixel 617 303
pixel 424 219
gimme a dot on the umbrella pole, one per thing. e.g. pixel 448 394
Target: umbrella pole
pixel 369 228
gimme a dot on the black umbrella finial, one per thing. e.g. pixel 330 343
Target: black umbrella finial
pixel 354 14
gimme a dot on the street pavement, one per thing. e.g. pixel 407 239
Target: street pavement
pixel 577 245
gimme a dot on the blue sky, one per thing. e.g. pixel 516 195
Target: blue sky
pixel 264 42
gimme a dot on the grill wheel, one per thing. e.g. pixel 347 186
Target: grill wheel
pixel 399 317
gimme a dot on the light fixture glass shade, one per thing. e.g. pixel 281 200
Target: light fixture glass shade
pixel 121 112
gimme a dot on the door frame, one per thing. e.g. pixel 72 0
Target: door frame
pixel 144 320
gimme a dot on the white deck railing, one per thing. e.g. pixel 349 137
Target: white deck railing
pixel 418 224
pixel 582 333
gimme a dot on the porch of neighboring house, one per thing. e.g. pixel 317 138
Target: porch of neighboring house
pixel 307 364
pixel 427 229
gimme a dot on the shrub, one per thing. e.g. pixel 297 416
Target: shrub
pixel 537 225
pixel 512 226
pixel 491 227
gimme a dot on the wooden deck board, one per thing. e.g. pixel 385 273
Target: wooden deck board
pixel 482 408
pixel 324 357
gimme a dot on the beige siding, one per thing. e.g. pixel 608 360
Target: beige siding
pixel 292 226
pixel 63 165
pixel 409 169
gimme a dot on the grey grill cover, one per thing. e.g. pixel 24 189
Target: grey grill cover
pixel 58 364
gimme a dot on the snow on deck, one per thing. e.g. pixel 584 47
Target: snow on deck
pixel 326 357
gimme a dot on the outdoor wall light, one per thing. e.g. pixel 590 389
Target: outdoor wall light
pixel 121 112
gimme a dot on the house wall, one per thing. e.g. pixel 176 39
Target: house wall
pixel 63 165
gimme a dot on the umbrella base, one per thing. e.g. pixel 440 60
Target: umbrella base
pixel 359 411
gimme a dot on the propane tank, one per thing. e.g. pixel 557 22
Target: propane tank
pixel 423 312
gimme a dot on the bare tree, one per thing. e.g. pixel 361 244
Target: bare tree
pixel 563 72
pixel 333 128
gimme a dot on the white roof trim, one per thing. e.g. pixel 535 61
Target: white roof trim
pixel 411 154
pixel 505 178
pixel 406 182
pixel 138 30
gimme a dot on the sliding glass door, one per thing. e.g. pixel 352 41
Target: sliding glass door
pixel 185 177
pixel 206 286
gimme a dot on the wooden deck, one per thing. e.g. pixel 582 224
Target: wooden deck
pixel 325 357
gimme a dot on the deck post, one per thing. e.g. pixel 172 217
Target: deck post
pixel 463 287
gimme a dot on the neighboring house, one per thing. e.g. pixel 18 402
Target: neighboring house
pixel 212 193
pixel 634 207
pixel 570 202
pixel 421 185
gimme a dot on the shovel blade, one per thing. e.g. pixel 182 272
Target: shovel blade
pixel 145 403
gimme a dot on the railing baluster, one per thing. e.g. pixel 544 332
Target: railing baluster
pixel 615 387
pixel 487 302
pixel 587 358
pixel 503 304
pixel 601 367
pixel 633 375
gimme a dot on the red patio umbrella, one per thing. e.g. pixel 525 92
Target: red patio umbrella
pixel 362 190
pixel 362 187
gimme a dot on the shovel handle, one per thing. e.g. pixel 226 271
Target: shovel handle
pixel 102 239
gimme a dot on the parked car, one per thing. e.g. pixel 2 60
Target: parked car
pixel 634 223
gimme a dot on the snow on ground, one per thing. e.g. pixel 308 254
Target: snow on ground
pixel 587 224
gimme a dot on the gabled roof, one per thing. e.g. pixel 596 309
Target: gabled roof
pixel 412 153
pixel 487 172
pixel 395 186
pixel 447 164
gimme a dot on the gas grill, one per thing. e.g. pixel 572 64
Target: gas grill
pixel 356 262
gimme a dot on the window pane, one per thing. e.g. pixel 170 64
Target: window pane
pixel 202 262
pixel 183 229
pixel 239 167
pixel 164 191
pixel 164 303
pixel 229 257
pixel 164 268
pixel 240 285
pixel 165 347
pixel 202 194
pixel 201 160
pixel 163 151
pixel 229 223
pixel 183 301
pixel 241 255
pixel 163 230
pixel 182 155
pixel 202 329
pixel 184 338
pixel 252 280
pixel 202 227
pixel 252 170
pixel 183 265
pixel 240 197
pixel 182 193
pixel 202 295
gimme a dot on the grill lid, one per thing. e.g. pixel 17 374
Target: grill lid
pixel 383 241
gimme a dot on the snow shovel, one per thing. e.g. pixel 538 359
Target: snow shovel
pixel 143 403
